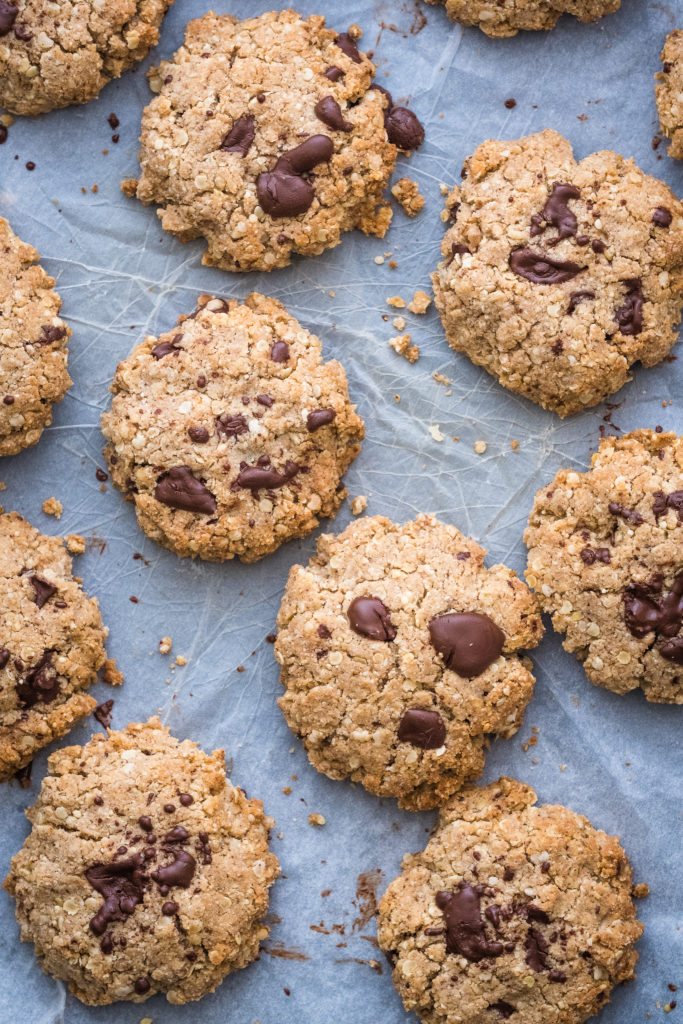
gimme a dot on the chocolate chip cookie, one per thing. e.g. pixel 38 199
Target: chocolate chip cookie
pixel 51 643
pixel 55 54
pixel 512 912
pixel 267 138
pixel 146 870
pixel 506 17
pixel 669 92
pixel 229 433
pixel 606 562
pixel 558 276
pixel 33 345
pixel 401 655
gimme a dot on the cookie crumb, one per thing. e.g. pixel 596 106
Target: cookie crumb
pixel 440 379
pixel 436 433
pixel 379 260
pixel 316 819
pixel 75 543
pixel 401 344
pixel 420 304
pixel 407 192
pixel 110 673
pixel 53 507
pixel 180 660
pixel 359 504
pixel 129 187
pixel 396 301
pixel 640 891
pixel 480 447
pixel 398 322
pixel 165 645
pixel 514 445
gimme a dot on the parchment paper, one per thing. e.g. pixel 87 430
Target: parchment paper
pixel 615 759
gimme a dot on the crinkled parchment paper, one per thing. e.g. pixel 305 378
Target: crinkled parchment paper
pixel 615 759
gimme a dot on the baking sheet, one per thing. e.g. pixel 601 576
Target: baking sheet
pixel 615 759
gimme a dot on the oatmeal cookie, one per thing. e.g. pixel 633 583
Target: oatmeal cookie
pixel 267 138
pixel 33 345
pixel 401 655
pixel 669 92
pixel 506 17
pixel 229 433
pixel 146 870
pixel 51 643
pixel 53 54
pixel 558 276
pixel 512 912
pixel 606 562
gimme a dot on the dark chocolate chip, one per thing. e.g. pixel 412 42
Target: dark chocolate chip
pixel 557 976
pixel 556 210
pixel 468 641
pixel 646 611
pixel 597 245
pixel 589 556
pixel 145 823
pixel 279 353
pixel 179 488
pixel 51 334
pixel 629 317
pixel 403 128
pixel 329 112
pixel 369 617
pixel 166 348
pixel 4 134
pixel 540 269
pixel 333 73
pixel 240 136
pixel 319 418
pixel 169 808
pixel 348 46
pixel 40 685
pixel 536 950
pixel 122 884
pixel 42 590
pixel 629 515
pixel 662 217
pixel 179 834
pixel 323 632
pixel 264 400
pixel 186 799
pixel 101 475
pixel 465 928
pixel 282 192
pixel 169 908
pixel 179 872
pixel 200 435
pixel 672 650
pixel 4 657
pixel 253 478
pixel 661 502
pixel 142 986
pixel 231 426
pixel 103 713
pixel 8 13
pixel 422 728
pixel 113 122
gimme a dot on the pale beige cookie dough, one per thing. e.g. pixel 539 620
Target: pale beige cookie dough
pixel 229 433
pixel 33 345
pixel 558 276
pixel 268 139
pixel 51 643
pixel 507 17
pixel 513 912
pixel 606 562
pixel 402 655
pixel 53 54
pixel 146 870
pixel 669 92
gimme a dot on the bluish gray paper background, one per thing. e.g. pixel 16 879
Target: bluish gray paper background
pixel 120 277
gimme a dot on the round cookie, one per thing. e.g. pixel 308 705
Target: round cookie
pixel 512 912
pixel 33 345
pixel 146 870
pixel 558 276
pixel 267 138
pixel 669 92
pixel 500 18
pixel 51 643
pixel 55 54
pixel 401 655
pixel 605 560
pixel 230 434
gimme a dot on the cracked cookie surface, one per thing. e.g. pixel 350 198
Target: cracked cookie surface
pixel 401 654
pixel 558 276
pixel 606 562
pixel 56 54
pixel 51 643
pixel 146 870
pixel 230 434
pixel 33 345
pixel 669 92
pixel 506 17
pixel 512 912
pixel 268 139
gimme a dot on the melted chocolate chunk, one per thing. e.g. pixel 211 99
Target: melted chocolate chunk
pixel 254 478
pixel 231 426
pixel 145 823
pixel 8 13
pixel 179 872
pixel 200 435
pixel 540 269
pixel 240 136
pixel 647 611
pixel 403 128
pixel 468 641
pixel 319 418
pixel 662 217
pixel 103 713
pixel 556 210
pixel 536 950
pixel 465 928
pixel 4 656
pixel 627 514
pixel 347 46
pixel 672 650
pixel 179 834
pixel 589 556
pixel 329 112
pixel 122 883
pixel 370 617
pixel 422 728
pixel 333 73
pixel 629 317
pixel 282 192
pixel 166 348
pixel 662 502
pixel 40 685
pixel 456 247
pixel 557 976
pixel 576 297
pixel 43 590
pixel 51 334
pixel 279 353
pixel 179 488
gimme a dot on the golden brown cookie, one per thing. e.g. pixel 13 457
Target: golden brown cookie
pixel 401 655
pixel 606 562
pixel 229 433
pixel 513 912
pixel 507 17
pixel 51 643
pixel 53 54
pixel 146 870
pixel 558 276
pixel 669 92
pixel 33 345
pixel 267 138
